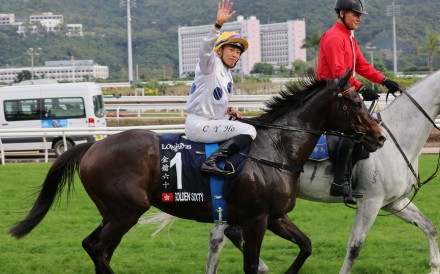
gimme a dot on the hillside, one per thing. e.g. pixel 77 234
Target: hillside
pixel 155 23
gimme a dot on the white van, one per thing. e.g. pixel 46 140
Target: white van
pixel 47 106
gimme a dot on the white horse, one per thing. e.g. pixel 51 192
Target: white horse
pixel 384 178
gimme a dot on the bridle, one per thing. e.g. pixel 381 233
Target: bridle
pixel 357 136
pixel 415 174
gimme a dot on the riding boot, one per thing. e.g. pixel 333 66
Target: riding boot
pixel 227 149
pixel 341 185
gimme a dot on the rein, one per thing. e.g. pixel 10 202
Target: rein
pixel 415 174
pixel 357 136
pixel 279 166
pixel 417 105
pixel 419 183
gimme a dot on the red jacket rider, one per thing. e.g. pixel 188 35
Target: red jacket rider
pixel 339 51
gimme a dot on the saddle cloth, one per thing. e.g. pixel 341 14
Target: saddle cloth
pixel 320 152
pixel 181 179
pixel 325 150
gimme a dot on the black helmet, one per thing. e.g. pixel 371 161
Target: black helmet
pixel 354 5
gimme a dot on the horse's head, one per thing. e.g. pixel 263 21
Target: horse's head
pixel 350 114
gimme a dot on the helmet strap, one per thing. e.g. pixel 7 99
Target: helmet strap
pixel 343 19
pixel 221 58
pixel 227 64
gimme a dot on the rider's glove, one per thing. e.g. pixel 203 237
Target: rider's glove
pixel 368 94
pixel 390 85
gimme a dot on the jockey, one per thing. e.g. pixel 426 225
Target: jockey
pixel 207 104
pixel 339 51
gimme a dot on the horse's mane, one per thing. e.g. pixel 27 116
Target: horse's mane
pixel 293 96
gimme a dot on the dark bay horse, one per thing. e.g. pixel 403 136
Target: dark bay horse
pixel 387 178
pixel 121 173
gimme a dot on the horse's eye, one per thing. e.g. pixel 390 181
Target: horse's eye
pixel 357 105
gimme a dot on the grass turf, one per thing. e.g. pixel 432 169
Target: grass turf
pixel 392 246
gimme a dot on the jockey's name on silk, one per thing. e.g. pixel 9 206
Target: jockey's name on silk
pixel 188 197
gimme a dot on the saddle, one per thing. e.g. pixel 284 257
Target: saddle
pixel 181 179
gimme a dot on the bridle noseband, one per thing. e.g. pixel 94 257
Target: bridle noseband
pixel 358 136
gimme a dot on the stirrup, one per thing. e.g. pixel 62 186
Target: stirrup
pixel 338 190
pixel 216 170
pixel 231 165
pixel 350 200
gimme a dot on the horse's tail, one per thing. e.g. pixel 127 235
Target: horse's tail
pixel 161 219
pixel 60 174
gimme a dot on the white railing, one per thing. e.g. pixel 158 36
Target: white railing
pixel 139 104
pixel 65 132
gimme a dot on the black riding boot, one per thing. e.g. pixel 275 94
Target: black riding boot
pixel 227 149
pixel 342 164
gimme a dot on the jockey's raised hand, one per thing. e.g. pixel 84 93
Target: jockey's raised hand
pixel 224 12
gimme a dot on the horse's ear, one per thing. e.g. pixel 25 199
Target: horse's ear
pixel 347 75
pixel 344 79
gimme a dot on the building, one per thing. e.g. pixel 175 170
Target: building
pixel 50 21
pixel 281 43
pixel 74 30
pixel 75 70
pixel 278 44
pixel 7 19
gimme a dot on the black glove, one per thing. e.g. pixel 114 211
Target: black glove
pixel 390 85
pixel 368 94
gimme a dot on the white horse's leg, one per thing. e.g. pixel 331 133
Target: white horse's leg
pixel 365 215
pixel 216 243
pixel 235 235
pixel 413 215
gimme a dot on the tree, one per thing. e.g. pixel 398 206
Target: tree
pixel 312 42
pixel 283 69
pixel 431 46
pixel 301 67
pixel 23 76
pixel 264 68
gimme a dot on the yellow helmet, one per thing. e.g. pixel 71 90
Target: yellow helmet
pixel 231 38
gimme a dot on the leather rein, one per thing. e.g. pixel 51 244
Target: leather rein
pixel 357 135
pixel 415 174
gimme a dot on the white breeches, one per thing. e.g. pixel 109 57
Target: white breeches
pixel 201 129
